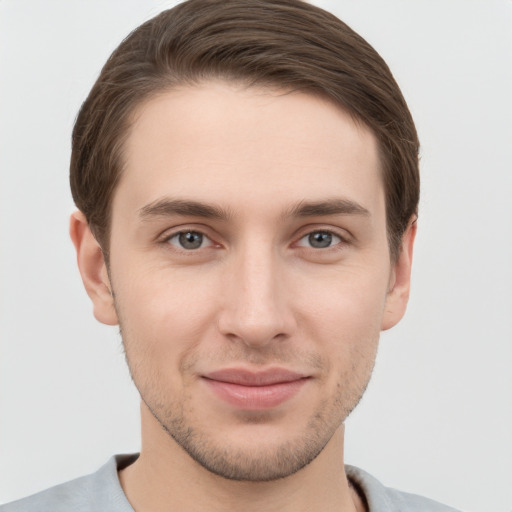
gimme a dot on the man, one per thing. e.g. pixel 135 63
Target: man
pixel 246 174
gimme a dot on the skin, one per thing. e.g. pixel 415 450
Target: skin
pixel 258 293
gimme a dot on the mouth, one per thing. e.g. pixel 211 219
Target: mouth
pixel 248 390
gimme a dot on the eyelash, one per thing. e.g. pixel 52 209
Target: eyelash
pixel 332 236
pixel 167 239
pixel 323 232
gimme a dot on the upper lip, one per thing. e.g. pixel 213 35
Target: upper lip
pixel 245 377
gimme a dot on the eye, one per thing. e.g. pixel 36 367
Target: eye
pixel 319 240
pixel 189 240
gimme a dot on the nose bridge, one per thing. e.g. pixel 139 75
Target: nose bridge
pixel 255 308
pixel 259 280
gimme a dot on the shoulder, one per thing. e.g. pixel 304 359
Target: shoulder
pixel 92 493
pixel 384 499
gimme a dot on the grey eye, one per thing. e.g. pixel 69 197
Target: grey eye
pixel 188 240
pixel 319 240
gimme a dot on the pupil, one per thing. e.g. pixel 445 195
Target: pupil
pixel 191 240
pixel 320 240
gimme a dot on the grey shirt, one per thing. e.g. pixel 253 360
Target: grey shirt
pixel 102 491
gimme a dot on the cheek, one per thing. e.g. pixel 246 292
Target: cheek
pixel 163 313
pixel 342 314
pixel 346 300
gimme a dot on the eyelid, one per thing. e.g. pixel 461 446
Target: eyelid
pixel 345 236
pixel 170 233
pixel 334 235
pixel 205 241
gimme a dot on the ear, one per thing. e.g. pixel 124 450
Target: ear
pixel 400 280
pixel 93 269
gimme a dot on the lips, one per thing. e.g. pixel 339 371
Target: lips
pixel 255 390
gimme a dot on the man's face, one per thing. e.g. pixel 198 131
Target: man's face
pixel 250 270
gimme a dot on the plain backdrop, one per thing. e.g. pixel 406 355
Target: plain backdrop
pixel 437 417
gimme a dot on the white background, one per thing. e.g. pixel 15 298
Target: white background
pixel 437 418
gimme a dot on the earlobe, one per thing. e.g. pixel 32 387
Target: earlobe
pixel 400 280
pixel 93 269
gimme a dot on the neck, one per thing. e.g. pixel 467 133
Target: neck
pixel 166 478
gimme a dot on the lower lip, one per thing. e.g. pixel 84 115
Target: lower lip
pixel 255 398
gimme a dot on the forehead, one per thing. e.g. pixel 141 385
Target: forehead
pixel 220 142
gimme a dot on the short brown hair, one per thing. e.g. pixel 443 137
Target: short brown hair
pixel 286 44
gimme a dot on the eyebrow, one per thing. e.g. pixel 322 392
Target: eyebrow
pixel 168 207
pixel 334 206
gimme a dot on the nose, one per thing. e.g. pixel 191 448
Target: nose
pixel 256 308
